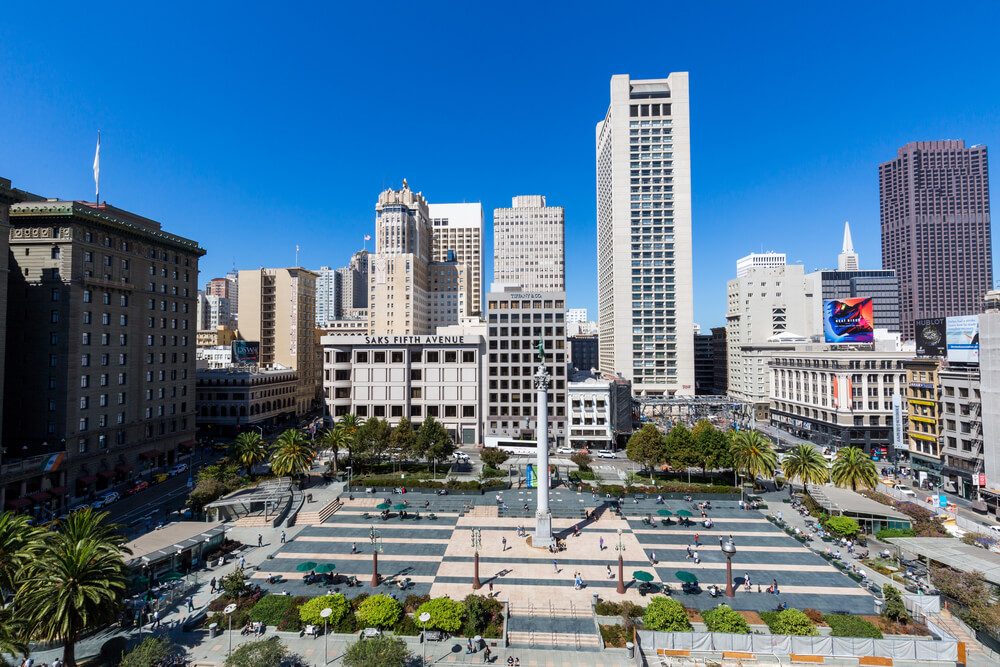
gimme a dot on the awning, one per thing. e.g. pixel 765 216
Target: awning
pixel 107 473
pixel 188 444
pixel 18 502
pixel 59 491
pixel 152 454
pixel 88 479
pixel 40 497
pixel 124 468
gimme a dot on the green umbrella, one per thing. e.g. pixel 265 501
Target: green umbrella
pixel 306 566
pixel 383 506
pixel 326 567
pixel 686 577
pixel 664 512
pixel 684 513
pixel 642 575
pixel 400 507
pixel 173 576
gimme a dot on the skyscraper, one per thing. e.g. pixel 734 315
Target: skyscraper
pixel 847 260
pixel 529 245
pixel 354 285
pixel 329 286
pixel 644 280
pixel 458 229
pixel 935 206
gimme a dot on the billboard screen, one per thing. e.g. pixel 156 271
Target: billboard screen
pixel 963 339
pixel 930 337
pixel 849 320
pixel 246 352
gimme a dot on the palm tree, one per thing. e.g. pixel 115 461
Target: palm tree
pixel 18 538
pixel 753 455
pixel 853 468
pixel 291 454
pixel 73 582
pixel 349 425
pixel 248 450
pixel 806 464
pixel 333 439
pixel 11 635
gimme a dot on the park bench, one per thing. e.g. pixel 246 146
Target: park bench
pixel 433 636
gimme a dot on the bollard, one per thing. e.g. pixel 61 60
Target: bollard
pixel 630 647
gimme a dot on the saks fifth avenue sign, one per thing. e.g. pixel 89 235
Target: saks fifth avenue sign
pixel 400 340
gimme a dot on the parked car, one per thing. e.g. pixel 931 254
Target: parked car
pixel 141 485
pixel 112 497
pixel 162 477
pixel 178 469
pixel 97 504
pixel 606 454
pixel 565 450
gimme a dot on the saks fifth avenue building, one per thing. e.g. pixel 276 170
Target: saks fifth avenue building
pixel 390 377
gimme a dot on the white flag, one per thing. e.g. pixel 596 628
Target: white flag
pixel 368 237
pixel 97 167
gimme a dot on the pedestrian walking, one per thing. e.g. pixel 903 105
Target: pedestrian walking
pixel 354 547
pixel 610 576
pixel 156 619
pixel 652 557
pixel 469 645
pixel 775 586
pixel 689 549
pixel 260 540
pixel 486 654
pixel 503 541
pixel 555 565
pixel 696 540
pixel 190 605
pixel 282 537
pixel 491 588
pixel 697 560
pixel 213 586
pixel 243 562
pixel 601 544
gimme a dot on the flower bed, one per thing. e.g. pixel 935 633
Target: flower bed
pixel 666 489
pixel 925 522
pixel 615 636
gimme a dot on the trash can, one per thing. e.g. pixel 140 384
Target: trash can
pixel 478 642
pixel 630 647
pixel 213 630
pixel 597 598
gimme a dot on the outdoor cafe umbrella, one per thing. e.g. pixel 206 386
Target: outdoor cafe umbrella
pixel 306 566
pixel 326 567
pixel 383 506
pixel 664 512
pixel 684 513
pixel 643 576
pixel 686 577
pixel 172 576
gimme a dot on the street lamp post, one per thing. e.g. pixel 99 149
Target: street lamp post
pixel 228 611
pixel 620 548
pixel 326 641
pixel 424 617
pixel 477 543
pixel 349 471
pixel 729 549
pixel 376 541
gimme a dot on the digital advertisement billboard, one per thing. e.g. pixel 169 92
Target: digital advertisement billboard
pixel 963 339
pixel 246 352
pixel 931 335
pixel 849 320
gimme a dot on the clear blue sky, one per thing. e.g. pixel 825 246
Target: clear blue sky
pixel 251 127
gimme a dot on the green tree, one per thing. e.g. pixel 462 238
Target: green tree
pixel 234 584
pixel 12 635
pixel 291 455
pixel 682 450
pixel 844 526
pixel 381 651
pixel 348 426
pixel 149 653
pixel 806 464
pixel 724 619
pixel 18 540
pixel 792 622
pixel 333 439
pixel 853 468
pixel 582 460
pixel 248 450
pixel 646 447
pixel 379 611
pixel 225 472
pixel 401 440
pixel 372 439
pixel 338 605
pixel 753 455
pixel 265 653
pixel 73 582
pixel 493 456
pixel 716 448
pixel 433 441
pixel 894 609
pixel 665 614
pixel 701 427
pixel 446 614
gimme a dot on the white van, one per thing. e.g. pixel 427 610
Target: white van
pixel 907 493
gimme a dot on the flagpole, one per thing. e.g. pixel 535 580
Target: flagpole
pixel 97 170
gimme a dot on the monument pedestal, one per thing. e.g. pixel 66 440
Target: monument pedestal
pixel 542 538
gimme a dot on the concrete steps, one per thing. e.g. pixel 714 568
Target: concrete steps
pixel 254 522
pixel 318 517
pixel 573 640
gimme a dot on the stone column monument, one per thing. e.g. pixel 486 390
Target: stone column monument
pixel 543 516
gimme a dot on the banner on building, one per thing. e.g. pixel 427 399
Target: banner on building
pixel 931 335
pixel 963 339
pixel 849 320
pixel 246 352
pixel 53 462
pixel 897 422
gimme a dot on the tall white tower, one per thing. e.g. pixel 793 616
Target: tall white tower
pixel 644 267
pixel 529 244
pixel 847 260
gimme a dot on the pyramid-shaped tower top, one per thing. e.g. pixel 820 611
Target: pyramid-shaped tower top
pixel 848 259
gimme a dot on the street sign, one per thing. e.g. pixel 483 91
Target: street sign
pixel 943 500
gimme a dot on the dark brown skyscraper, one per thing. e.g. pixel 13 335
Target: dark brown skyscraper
pixel 935 200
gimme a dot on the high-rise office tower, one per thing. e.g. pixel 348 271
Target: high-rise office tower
pixel 226 288
pixel 8 196
pixel 278 309
pixel 458 229
pixel 759 260
pixel 847 260
pixel 645 298
pixel 329 285
pixel 529 245
pixel 935 206
pixel 354 285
